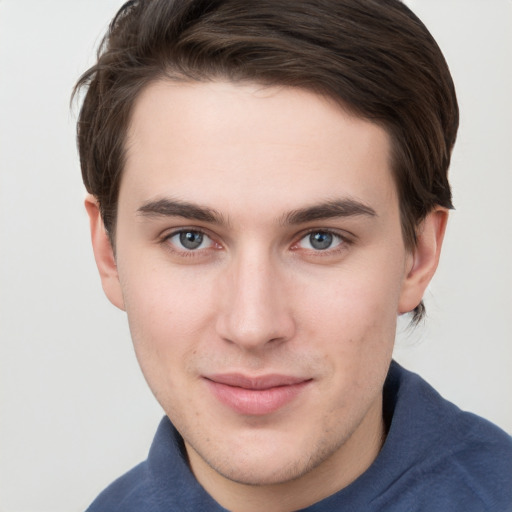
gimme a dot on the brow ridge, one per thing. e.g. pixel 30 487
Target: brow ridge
pixel 177 208
pixel 328 210
pixel 331 209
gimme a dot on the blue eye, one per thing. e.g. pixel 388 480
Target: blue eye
pixel 190 240
pixel 320 241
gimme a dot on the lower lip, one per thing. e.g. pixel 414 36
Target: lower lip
pixel 256 402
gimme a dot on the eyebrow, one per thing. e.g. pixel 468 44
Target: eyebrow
pixel 177 208
pixel 329 210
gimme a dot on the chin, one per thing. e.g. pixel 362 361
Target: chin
pixel 268 472
pixel 277 463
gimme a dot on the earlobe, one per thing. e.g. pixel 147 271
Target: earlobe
pixel 104 254
pixel 423 259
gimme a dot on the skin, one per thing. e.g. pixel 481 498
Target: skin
pixel 250 168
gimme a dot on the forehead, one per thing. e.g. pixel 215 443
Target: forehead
pixel 211 142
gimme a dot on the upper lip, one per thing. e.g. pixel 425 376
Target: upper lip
pixel 257 383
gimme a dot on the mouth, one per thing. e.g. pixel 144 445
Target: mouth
pixel 256 396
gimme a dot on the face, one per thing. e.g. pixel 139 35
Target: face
pixel 261 263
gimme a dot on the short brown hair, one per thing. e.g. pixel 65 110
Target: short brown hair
pixel 375 57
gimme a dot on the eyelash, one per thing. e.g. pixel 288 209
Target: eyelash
pixel 344 242
pixel 166 240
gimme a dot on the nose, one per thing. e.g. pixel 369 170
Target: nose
pixel 255 304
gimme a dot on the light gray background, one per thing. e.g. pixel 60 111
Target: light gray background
pixel 75 410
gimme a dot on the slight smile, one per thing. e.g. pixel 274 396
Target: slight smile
pixel 256 396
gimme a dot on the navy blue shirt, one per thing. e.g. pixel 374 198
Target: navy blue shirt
pixel 435 458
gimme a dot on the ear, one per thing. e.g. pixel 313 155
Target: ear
pixel 104 254
pixel 423 259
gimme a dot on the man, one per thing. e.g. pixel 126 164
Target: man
pixel 268 191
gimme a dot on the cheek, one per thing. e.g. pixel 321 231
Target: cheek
pixel 353 301
pixel 167 315
pixel 353 321
pixel 163 303
pixel 162 325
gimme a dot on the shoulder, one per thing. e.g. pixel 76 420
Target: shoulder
pixel 457 458
pixel 137 490
pixel 162 483
pixel 477 461
pixel 128 493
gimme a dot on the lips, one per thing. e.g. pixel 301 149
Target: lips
pixel 256 396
